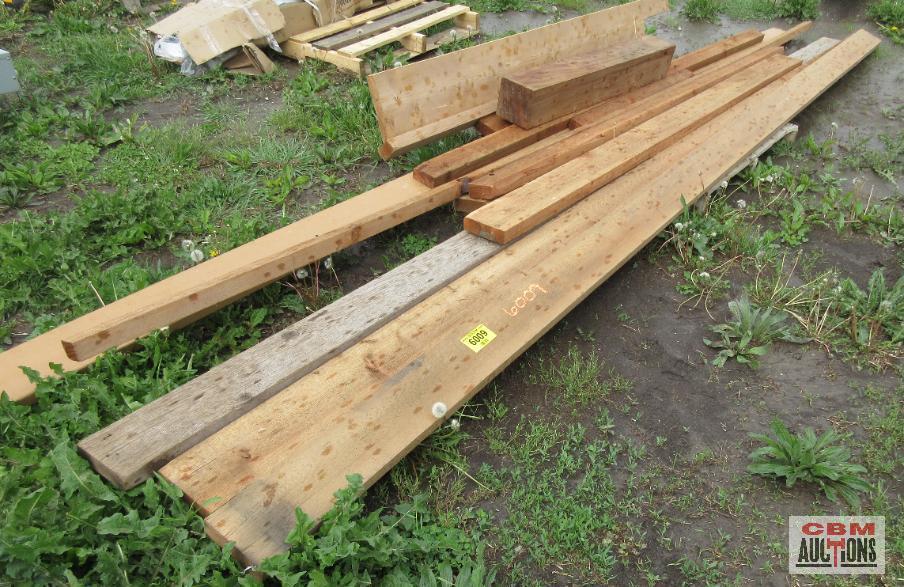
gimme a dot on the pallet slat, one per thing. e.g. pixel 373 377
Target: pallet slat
pixel 380 25
pixel 396 34
pixel 353 21
pixel 519 211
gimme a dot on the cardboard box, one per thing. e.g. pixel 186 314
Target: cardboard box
pixel 212 27
pixel 299 19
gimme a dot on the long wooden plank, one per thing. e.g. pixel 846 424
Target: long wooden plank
pixel 385 38
pixel 521 210
pixel 250 267
pixel 712 53
pixel 478 153
pixel 771 38
pixel 438 91
pixel 380 25
pixel 434 130
pixel 535 96
pixel 609 124
pixel 353 21
pixel 129 451
pixel 700 81
pixel 366 408
pixel 194 292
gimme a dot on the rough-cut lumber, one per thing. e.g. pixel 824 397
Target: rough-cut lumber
pixel 375 42
pixel 353 21
pixel 541 94
pixel 129 451
pixel 466 204
pixel 480 152
pixel 430 131
pixel 197 291
pixel 490 124
pixel 719 50
pixel 519 211
pixel 771 38
pixel 250 267
pixel 422 101
pixel 604 125
pixel 369 29
pixel 367 407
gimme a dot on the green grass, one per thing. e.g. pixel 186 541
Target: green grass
pixel 889 14
pixel 709 10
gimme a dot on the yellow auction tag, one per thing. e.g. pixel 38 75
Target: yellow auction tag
pixel 478 338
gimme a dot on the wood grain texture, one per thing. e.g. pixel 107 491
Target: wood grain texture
pixel 599 125
pixel 128 451
pixel 354 21
pixel 521 210
pixel 366 408
pixel 395 34
pixel 471 156
pixel 716 51
pixel 199 290
pixel 446 87
pixel 490 124
pixel 538 95
pixel 380 25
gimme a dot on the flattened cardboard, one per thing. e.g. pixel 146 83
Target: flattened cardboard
pixel 250 61
pixel 211 27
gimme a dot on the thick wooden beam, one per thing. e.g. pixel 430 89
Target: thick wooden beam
pixel 129 451
pixel 518 212
pixel 535 96
pixel 440 92
pixel 712 53
pixel 599 125
pixel 368 407
pixel 469 157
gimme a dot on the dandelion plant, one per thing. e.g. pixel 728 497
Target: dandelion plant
pixel 809 458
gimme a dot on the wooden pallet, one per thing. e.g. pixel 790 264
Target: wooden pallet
pixel 346 43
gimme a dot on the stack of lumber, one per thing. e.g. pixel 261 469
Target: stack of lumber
pixel 558 207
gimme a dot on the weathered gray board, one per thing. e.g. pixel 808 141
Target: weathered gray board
pixel 354 35
pixel 9 83
pixel 129 451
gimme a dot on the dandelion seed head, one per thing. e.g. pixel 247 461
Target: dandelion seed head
pixel 301 273
pixel 439 410
pixel 188 245
pixel 724 184
pixel 197 255
pixel 328 263
pixel 704 275
pixel 454 423
pixel 742 204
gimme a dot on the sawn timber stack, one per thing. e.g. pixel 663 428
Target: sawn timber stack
pixel 361 411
